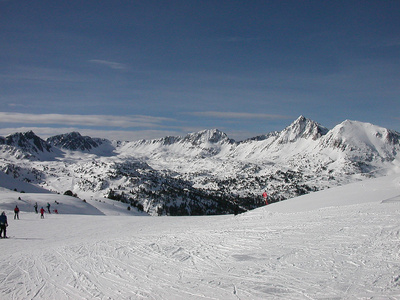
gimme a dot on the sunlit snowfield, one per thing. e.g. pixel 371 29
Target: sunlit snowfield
pixel 342 243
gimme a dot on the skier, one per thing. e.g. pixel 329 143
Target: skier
pixel 3 224
pixel 48 207
pixel 16 212
pixel 265 195
pixel 236 207
pixel 42 213
pixel 36 206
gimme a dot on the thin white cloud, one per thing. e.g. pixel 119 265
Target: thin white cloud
pixel 237 115
pixel 83 120
pixel 109 64
pixel 13 105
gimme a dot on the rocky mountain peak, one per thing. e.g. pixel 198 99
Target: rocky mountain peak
pixel 74 141
pixel 28 142
pixel 302 128
pixel 213 136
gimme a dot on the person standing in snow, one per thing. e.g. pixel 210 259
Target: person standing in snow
pixel 42 213
pixel 16 212
pixel 48 207
pixel 265 195
pixel 3 224
pixel 36 206
pixel 236 207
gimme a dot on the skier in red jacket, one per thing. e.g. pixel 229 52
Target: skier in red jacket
pixel 42 213
pixel 265 195
pixel 16 212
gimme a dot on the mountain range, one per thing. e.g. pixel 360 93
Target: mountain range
pixel 204 172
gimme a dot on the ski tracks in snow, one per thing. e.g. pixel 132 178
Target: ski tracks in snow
pixel 332 253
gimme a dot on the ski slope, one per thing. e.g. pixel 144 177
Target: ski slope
pixel 342 243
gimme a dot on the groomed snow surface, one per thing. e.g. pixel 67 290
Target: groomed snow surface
pixel 342 243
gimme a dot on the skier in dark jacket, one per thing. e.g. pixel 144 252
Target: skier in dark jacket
pixel 3 224
pixel 36 206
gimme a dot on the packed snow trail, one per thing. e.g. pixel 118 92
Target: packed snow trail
pixel 345 252
pixel 338 252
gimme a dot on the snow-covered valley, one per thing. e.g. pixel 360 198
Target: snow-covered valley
pixel 340 243
pixel 204 172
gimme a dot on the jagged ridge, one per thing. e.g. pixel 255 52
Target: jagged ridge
pixel 74 141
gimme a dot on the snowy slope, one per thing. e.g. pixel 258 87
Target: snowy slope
pixel 63 204
pixel 343 243
pixel 379 190
pixel 26 202
pixel 11 183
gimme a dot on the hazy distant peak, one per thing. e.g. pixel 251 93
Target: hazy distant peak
pixel 213 136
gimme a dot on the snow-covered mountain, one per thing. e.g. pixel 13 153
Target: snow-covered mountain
pixel 302 128
pixel 204 172
pixel 26 145
pixel 356 138
pixel 74 141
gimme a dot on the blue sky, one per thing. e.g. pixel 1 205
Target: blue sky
pixel 129 70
